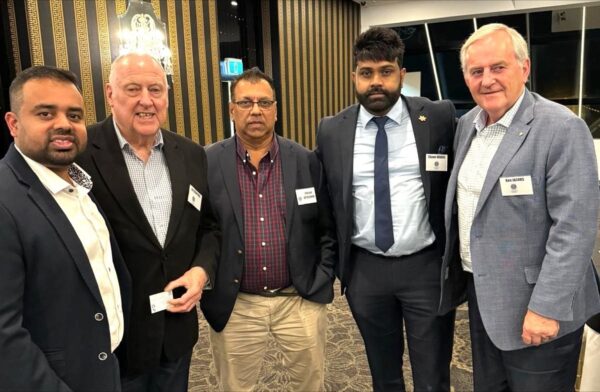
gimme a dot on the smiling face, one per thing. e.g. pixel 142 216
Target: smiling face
pixel 49 126
pixel 254 126
pixel 138 95
pixel 493 74
pixel 378 85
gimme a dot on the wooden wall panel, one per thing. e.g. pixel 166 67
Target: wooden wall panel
pixel 81 35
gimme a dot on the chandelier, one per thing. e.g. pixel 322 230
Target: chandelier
pixel 141 31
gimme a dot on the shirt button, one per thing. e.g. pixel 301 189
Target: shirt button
pixel 265 288
pixel 253 173
pixel 264 268
pixel 99 316
pixel 71 190
pixel 102 356
pixel 263 243
pixel 260 195
pixel 262 219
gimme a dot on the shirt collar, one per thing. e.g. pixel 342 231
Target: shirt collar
pixel 158 138
pixel 53 182
pixel 506 120
pixel 242 153
pixel 395 113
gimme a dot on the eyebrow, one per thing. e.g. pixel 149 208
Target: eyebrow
pixel 54 107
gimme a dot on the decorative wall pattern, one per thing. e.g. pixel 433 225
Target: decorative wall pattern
pixel 81 35
pixel 315 56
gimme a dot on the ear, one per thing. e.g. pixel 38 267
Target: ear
pixel 13 124
pixel 109 91
pixel 526 69
pixel 354 77
pixel 402 75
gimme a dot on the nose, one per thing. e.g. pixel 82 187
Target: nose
pixel 255 110
pixel 145 97
pixel 61 121
pixel 376 79
pixel 487 79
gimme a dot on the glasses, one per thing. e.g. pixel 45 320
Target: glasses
pixel 247 104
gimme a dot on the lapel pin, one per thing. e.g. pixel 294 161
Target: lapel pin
pixel 520 133
pixel 422 118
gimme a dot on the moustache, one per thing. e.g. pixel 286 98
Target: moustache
pixel 376 91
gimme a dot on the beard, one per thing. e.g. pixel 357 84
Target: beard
pixel 379 105
pixel 53 157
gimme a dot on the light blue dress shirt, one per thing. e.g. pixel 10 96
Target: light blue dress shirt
pixel 412 231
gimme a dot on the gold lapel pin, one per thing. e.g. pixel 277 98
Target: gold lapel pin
pixel 422 118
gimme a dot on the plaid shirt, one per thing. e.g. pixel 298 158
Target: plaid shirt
pixel 263 206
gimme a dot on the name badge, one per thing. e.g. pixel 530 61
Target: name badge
pixel 306 196
pixel 516 186
pixel 160 301
pixel 195 198
pixel 436 162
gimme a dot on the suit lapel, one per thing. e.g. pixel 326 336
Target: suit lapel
pixel 511 142
pixel 228 165
pixel 56 217
pixel 421 131
pixel 179 184
pixel 347 126
pixel 109 160
pixel 288 170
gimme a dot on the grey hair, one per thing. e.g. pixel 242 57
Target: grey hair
pixel 518 42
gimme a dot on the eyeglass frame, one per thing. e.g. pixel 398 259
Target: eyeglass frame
pixel 244 101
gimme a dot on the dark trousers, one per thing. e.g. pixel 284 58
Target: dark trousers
pixel 383 292
pixel 170 376
pixel 549 367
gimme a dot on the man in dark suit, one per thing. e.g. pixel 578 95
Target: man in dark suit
pixel 152 185
pixel 276 269
pixel 63 283
pixel 386 163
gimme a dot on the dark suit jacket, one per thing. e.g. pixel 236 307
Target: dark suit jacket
pixel 434 134
pixel 49 337
pixel 192 240
pixel 310 234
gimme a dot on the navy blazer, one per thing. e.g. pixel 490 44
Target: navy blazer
pixel 433 125
pixel 309 228
pixel 54 334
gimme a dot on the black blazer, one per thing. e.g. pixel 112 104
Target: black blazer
pixel 309 230
pixel 192 240
pixel 54 332
pixel 433 125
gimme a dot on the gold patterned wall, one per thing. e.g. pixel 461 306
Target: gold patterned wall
pixel 81 35
pixel 315 57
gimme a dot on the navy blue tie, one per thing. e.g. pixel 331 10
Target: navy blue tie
pixel 384 229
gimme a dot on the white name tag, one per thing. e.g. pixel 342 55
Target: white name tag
pixel 306 196
pixel 160 301
pixel 195 198
pixel 436 162
pixel 516 186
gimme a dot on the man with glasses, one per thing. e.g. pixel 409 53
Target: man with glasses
pixel 275 273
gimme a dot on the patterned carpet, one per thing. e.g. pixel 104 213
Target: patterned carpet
pixel 346 362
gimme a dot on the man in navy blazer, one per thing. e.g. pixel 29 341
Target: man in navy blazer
pixel 275 273
pixel 386 164
pixel 521 215
pixel 63 283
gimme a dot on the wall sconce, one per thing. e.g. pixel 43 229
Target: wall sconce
pixel 142 31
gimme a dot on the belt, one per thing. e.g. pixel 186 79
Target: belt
pixel 289 291
pixel 364 251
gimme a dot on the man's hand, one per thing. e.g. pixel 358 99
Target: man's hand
pixel 193 280
pixel 538 329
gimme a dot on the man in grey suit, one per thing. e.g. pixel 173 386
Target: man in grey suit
pixel 521 212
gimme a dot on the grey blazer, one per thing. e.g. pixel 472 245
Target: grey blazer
pixel 530 252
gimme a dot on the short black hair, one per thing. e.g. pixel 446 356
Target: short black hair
pixel 378 44
pixel 38 72
pixel 252 75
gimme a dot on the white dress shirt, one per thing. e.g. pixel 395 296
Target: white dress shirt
pixel 412 231
pixel 92 231
pixel 473 171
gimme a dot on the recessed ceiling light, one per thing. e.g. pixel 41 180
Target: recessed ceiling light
pixel 234 3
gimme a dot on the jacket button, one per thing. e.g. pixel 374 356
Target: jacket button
pixel 240 252
pixel 99 316
pixel 236 281
pixel 102 356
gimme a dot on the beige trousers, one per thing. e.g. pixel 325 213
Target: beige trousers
pixel 299 328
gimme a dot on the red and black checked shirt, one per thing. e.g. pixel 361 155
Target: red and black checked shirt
pixel 263 206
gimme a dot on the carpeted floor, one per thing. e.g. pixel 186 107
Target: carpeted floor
pixel 346 362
